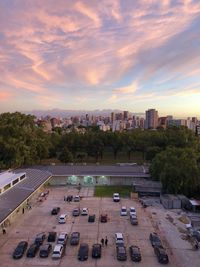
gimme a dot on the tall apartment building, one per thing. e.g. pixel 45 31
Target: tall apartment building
pixel 151 120
pixel 125 115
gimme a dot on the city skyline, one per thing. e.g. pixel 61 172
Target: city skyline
pixel 109 54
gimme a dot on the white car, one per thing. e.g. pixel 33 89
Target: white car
pixel 116 197
pixel 62 238
pixel 84 211
pixel 123 211
pixel 57 251
pixel 132 211
pixel 119 239
pixel 62 218
pixel 77 198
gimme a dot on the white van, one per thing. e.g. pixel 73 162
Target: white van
pixel 57 251
pixel 62 218
pixel 119 239
pixel 62 239
pixel 116 197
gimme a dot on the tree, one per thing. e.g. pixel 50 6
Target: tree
pixel 177 169
pixel 65 155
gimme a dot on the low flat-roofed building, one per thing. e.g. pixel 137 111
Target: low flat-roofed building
pixel 8 179
pixel 195 205
pixel 146 187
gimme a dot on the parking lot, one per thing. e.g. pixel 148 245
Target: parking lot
pixel 39 219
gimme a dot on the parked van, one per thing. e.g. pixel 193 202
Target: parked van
pixel 58 251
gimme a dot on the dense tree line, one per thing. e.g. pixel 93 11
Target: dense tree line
pixel 21 142
pixel 174 153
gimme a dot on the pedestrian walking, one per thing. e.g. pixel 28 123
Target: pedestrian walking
pixel 106 241
pixel 102 242
pixel 23 210
pixel 4 231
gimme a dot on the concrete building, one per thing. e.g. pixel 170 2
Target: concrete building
pixel 177 122
pixel 151 119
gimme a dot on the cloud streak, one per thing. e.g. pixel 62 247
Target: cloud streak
pixel 108 50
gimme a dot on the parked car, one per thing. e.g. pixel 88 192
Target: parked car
pixel 103 218
pixel 119 239
pixel 58 251
pixel 196 234
pixel 91 218
pixel 83 252
pixel 32 250
pixel 77 198
pixel 123 211
pixel 76 212
pixel 55 211
pixel 121 253
pixel 20 249
pixel 132 211
pixel 40 239
pixel 134 220
pixel 45 250
pixel 75 237
pixel 155 240
pixel 135 253
pixel 84 211
pixel 62 238
pixel 62 218
pixel 52 237
pixel 116 197
pixel 96 251
pixel 161 254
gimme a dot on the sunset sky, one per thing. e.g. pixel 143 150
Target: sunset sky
pixel 98 54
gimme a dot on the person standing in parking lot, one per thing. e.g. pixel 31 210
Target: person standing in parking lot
pixel 102 242
pixel 106 241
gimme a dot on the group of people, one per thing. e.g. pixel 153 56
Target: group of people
pixel 68 198
pixel 104 241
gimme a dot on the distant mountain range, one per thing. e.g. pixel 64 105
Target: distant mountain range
pixel 67 113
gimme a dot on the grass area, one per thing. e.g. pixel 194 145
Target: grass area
pixel 107 191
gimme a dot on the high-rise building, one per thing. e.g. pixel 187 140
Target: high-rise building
pixel 151 120
pixel 126 114
pixel 112 117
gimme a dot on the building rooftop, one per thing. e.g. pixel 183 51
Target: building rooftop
pixel 13 197
pixel 8 177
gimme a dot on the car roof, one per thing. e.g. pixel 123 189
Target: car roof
pixel 57 247
pixel 119 234
pixel 62 235
pixel 45 246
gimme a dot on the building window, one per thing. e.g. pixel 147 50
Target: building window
pixel 23 176
pixel 15 181
pixel 6 187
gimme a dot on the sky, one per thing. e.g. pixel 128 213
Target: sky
pixel 109 54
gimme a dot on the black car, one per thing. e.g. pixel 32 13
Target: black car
pixel 52 237
pixel 31 252
pixel 75 237
pixel 96 251
pixel 135 253
pixel 83 252
pixel 91 218
pixel 40 239
pixel 161 254
pixel 155 240
pixel 103 218
pixel 55 211
pixel 121 253
pixel 20 249
pixel 45 250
